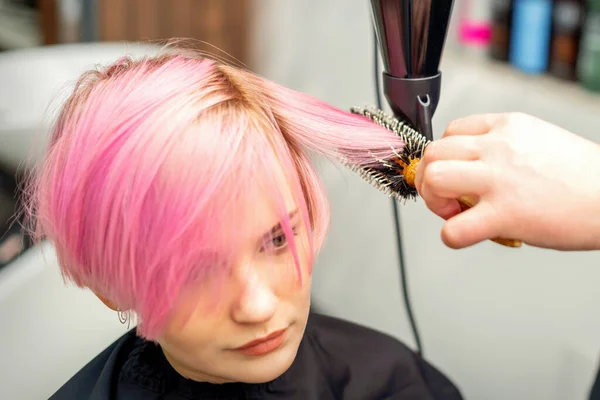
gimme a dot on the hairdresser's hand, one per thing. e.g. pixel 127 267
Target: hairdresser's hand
pixel 535 182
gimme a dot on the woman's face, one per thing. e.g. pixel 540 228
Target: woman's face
pixel 263 299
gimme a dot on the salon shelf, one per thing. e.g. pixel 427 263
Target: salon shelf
pixel 456 57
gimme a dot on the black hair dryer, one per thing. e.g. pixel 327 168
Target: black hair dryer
pixel 411 36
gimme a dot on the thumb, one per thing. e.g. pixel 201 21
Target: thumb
pixel 471 226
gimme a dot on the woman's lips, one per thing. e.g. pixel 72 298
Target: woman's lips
pixel 263 345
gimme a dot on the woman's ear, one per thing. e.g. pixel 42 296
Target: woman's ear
pixel 107 302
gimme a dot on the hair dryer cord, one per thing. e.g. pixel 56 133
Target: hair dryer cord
pixel 398 229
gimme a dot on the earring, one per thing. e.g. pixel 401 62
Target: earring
pixel 124 317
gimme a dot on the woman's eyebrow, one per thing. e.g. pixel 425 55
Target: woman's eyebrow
pixel 277 227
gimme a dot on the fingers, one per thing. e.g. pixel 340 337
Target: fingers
pixel 453 148
pixel 473 125
pixel 444 181
pixel 451 179
pixel 441 182
pixel 443 207
pixel 464 148
pixel 471 227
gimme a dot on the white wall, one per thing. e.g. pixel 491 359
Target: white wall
pixel 503 323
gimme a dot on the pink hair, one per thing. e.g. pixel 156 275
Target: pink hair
pixel 150 164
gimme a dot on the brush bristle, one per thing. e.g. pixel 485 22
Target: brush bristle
pixel 387 176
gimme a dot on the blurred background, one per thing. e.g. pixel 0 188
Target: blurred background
pixel 502 323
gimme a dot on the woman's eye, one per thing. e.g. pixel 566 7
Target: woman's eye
pixel 279 241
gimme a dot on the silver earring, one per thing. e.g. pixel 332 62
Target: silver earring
pixel 124 317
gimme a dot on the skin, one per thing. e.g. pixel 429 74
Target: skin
pixel 535 182
pixel 261 294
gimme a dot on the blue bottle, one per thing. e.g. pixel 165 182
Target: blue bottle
pixel 531 35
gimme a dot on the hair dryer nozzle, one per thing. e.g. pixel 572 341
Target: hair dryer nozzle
pixel 411 36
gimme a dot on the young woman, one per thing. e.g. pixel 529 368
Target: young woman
pixel 181 190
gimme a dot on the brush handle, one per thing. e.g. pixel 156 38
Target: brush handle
pixel 467 202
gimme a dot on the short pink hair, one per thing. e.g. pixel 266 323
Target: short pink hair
pixel 150 160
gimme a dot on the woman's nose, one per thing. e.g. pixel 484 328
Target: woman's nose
pixel 256 303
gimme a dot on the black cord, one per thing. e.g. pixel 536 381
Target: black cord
pixel 403 280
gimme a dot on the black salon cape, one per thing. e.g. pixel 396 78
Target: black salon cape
pixel 336 360
pixel 595 391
